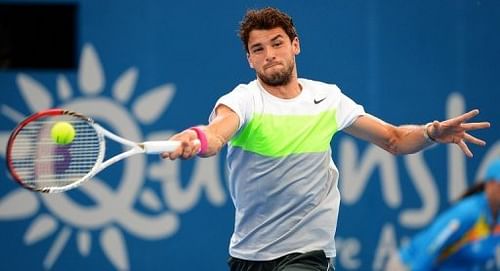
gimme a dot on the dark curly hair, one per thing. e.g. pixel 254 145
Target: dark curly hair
pixel 265 19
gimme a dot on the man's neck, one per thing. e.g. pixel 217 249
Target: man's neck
pixel 291 90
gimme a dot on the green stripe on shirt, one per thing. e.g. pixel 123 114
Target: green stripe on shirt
pixel 282 135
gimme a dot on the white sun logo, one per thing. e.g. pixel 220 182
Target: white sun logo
pixel 113 205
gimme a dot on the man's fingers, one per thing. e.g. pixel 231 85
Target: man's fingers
pixel 175 154
pixel 464 148
pixel 475 125
pixel 169 155
pixel 474 140
pixel 465 117
pixel 189 151
pixel 185 151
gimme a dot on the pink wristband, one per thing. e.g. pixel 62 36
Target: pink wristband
pixel 203 140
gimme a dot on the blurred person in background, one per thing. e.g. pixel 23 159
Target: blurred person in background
pixel 464 237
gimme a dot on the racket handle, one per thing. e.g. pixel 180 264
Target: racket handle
pixel 156 147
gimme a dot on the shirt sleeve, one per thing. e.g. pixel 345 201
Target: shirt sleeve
pixel 347 111
pixel 238 101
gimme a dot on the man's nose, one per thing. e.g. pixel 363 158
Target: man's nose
pixel 270 55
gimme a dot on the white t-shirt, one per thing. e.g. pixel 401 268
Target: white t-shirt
pixel 282 179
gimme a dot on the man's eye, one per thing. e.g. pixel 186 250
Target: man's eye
pixel 277 44
pixel 256 50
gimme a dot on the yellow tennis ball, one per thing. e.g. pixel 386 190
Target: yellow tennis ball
pixel 62 132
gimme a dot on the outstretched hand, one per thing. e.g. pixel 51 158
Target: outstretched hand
pixel 455 130
pixel 188 148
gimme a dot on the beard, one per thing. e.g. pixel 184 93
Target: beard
pixel 278 78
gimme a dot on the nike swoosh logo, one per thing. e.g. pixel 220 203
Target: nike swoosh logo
pixel 319 101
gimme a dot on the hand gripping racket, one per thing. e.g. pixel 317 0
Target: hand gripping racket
pixel 37 162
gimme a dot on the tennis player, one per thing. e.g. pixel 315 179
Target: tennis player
pixel 282 179
pixel 463 238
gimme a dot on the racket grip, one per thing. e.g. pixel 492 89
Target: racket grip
pixel 156 147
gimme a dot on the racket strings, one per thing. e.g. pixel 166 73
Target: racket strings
pixel 42 163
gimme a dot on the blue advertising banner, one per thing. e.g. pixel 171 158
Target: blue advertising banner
pixel 148 69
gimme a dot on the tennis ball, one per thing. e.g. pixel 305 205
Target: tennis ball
pixel 62 132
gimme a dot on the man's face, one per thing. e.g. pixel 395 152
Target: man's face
pixel 272 55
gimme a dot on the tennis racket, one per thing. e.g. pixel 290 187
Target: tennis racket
pixel 37 162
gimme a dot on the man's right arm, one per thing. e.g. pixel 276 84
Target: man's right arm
pixel 217 133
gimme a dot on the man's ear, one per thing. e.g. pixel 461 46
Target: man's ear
pixel 296 45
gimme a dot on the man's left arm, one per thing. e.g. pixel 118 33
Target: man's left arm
pixel 407 139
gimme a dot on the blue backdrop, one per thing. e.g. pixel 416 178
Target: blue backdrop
pixel 149 68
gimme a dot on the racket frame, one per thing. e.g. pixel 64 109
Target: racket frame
pixel 149 147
